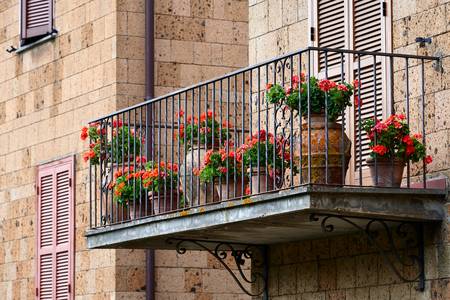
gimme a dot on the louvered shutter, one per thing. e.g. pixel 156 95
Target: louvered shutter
pixel 331 19
pixel 368 35
pixel 356 25
pixel 55 231
pixel 36 18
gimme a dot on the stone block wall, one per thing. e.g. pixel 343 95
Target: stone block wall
pixel 94 67
pixel 196 41
pixel 338 268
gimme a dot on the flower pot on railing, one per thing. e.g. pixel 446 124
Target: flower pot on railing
pixel 165 201
pixel 119 214
pixel 234 188
pixel 338 144
pixel 393 145
pixel 265 180
pixel 387 172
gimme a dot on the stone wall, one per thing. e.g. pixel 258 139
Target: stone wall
pixel 196 41
pixel 93 67
pixel 345 267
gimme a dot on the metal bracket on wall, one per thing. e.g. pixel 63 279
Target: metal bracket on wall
pixel 240 253
pixel 399 243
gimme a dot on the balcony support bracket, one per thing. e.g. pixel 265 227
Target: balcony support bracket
pixel 240 254
pixel 399 243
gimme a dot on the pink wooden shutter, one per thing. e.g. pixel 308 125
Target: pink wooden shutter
pixel 55 231
pixel 37 18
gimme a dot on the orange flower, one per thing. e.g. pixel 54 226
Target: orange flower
pixel 269 86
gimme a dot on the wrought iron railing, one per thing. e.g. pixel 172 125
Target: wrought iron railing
pixel 260 129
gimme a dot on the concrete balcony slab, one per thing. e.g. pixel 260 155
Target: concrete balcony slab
pixel 273 218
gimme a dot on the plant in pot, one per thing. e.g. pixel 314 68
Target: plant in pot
pixel 392 146
pixel 198 136
pixel 116 152
pixel 94 133
pixel 324 96
pixel 266 172
pixel 223 167
pixel 127 190
pixel 162 182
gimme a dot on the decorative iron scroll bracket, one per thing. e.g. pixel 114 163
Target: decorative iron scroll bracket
pixel 240 253
pixel 403 247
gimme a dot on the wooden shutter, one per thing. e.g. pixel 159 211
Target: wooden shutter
pixel 36 18
pixel 368 34
pixel 356 25
pixel 55 232
pixel 331 30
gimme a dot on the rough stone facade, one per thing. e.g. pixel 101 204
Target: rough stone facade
pixel 93 67
pixel 345 267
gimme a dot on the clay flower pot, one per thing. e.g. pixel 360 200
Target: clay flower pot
pixel 387 172
pixel 265 181
pixel 164 201
pixel 141 207
pixel 231 190
pixel 318 151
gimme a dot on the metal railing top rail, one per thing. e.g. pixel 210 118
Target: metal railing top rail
pixel 258 65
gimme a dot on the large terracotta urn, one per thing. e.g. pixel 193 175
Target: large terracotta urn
pixel 339 147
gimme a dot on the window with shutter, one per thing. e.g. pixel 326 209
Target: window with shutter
pixel 55 231
pixel 36 19
pixel 357 25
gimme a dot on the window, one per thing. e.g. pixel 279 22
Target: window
pixel 36 20
pixel 362 25
pixel 55 230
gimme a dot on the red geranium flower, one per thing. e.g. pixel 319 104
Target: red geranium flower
pixel 428 159
pixel 379 149
pixel 326 85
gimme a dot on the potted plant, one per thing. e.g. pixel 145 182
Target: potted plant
pixel 324 95
pixel 126 189
pixel 198 136
pixel 226 166
pixel 162 182
pixel 267 172
pixel 392 145
pixel 94 133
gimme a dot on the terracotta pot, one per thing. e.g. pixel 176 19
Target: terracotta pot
pixel 119 214
pixel 318 151
pixel 266 181
pixel 195 193
pixel 164 201
pixel 387 173
pixel 142 208
pixel 233 189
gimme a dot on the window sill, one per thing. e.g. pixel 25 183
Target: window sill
pixel 46 38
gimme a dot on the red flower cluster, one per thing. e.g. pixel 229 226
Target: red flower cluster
pixel 393 138
pixel 325 85
pixel 379 149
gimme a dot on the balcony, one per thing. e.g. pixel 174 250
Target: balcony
pixel 265 155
